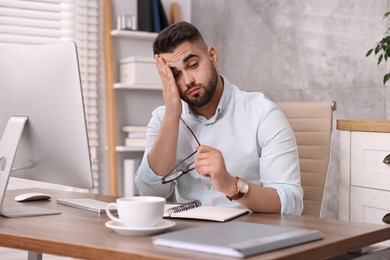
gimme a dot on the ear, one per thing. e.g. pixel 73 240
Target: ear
pixel 213 55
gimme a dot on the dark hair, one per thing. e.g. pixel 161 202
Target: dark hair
pixel 175 34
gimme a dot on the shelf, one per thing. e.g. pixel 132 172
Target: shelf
pixel 124 102
pixel 130 149
pixel 135 35
pixel 137 87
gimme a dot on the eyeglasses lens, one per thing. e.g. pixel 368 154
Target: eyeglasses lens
pixel 386 218
pixel 173 176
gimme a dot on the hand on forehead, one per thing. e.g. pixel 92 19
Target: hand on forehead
pixel 181 54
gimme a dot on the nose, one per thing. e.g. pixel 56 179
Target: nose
pixel 188 78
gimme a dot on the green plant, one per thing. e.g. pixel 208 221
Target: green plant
pixel 383 49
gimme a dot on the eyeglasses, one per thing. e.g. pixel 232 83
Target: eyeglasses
pixel 386 218
pixel 175 174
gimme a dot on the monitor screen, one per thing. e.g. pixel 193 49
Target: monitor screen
pixel 42 84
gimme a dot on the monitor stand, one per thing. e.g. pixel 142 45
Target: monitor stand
pixel 8 145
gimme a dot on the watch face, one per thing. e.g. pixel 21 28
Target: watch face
pixel 242 186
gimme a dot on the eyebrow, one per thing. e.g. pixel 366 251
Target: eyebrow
pixel 189 57
pixel 186 59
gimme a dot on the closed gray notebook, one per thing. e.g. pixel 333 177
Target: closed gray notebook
pixel 237 238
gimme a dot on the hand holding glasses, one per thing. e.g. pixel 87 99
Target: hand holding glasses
pixel 174 174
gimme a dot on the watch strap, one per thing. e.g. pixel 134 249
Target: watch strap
pixel 238 194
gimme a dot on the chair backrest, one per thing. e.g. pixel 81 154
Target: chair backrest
pixel 312 126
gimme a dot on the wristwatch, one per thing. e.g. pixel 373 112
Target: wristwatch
pixel 242 189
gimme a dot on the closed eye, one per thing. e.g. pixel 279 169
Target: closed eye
pixel 194 65
pixel 176 75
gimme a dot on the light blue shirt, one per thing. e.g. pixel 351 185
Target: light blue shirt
pixel 256 142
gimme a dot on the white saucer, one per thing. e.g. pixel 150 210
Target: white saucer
pixel 132 231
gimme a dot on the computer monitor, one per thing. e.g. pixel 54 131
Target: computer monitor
pixel 42 120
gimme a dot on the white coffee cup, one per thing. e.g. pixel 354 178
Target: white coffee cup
pixel 138 211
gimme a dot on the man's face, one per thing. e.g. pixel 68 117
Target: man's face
pixel 194 71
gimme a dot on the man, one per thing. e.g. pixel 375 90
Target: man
pixel 213 142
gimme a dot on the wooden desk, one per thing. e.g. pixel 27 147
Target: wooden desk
pixel 82 234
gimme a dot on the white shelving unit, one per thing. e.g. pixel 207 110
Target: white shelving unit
pixel 134 103
pixel 134 35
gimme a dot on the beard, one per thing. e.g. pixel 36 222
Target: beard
pixel 199 100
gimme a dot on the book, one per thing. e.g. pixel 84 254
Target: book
pixel 134 128
pixel 136 135
pixel 156 16
pixel 236 238
pixel 135 141
pixel 194 210
pixel 163 17
pixel 145 15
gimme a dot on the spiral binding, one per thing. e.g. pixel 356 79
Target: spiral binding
pixel 184 207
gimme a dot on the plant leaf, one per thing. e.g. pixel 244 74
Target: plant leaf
pixel 369 52
pixel 387 54
pixel 377 49
pixel 386 14
pixel 386 42
pixel 386 78
pixel 380 58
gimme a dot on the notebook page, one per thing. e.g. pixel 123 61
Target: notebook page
pixel 212 213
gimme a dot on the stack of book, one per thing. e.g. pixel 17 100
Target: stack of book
pixel 135 135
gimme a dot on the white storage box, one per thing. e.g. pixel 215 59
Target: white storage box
pixel 138 70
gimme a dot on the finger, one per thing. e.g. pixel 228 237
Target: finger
pixel 164 70
pixel 203 166
pixel 203 149
pixel 159 61
pixel 204 154
pixel 204 171
pixel 162 64
pixel 166 75
pixel 169 75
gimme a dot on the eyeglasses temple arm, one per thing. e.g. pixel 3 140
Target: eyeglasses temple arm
pixel 190 130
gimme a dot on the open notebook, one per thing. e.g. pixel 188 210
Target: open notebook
pixel 194 210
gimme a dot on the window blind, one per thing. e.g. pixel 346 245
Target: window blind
pixel 45 21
